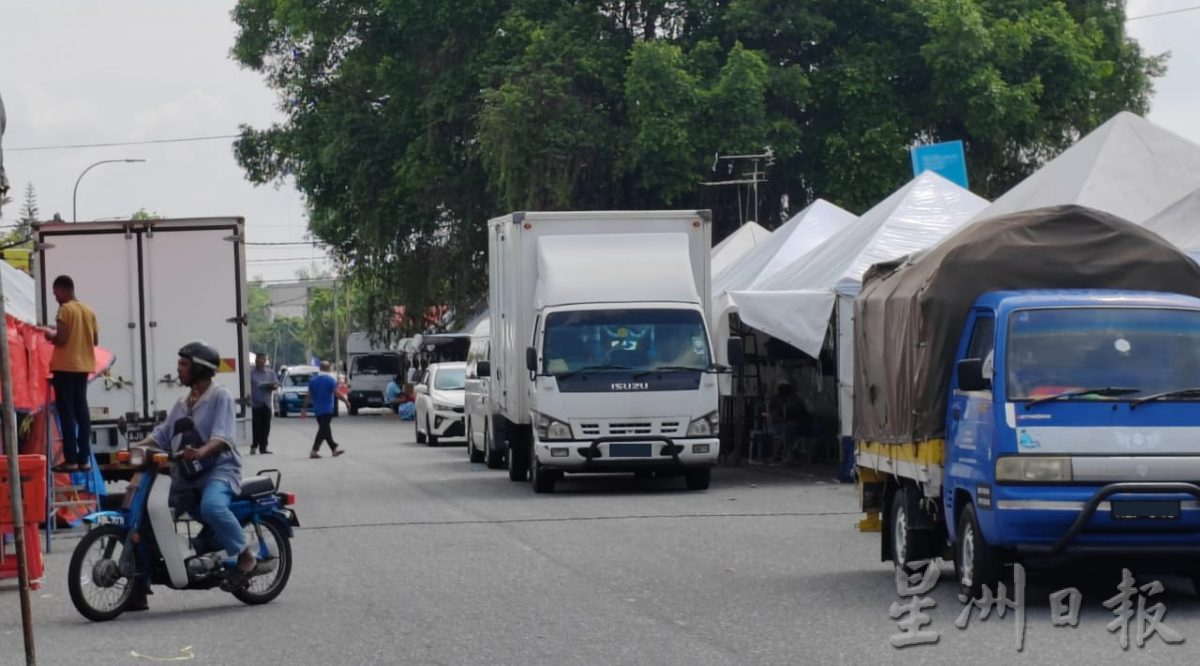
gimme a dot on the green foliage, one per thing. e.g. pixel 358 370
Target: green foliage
pixel 410 123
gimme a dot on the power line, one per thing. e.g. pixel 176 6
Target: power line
pixel 111 144
pixel 263 243
pixel 1165 13
pixel 280 260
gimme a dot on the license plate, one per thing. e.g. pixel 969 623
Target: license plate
pixel 629 450
pixel 375 402
pixel 1145 510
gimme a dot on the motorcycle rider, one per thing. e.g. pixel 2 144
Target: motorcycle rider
pixel 207 492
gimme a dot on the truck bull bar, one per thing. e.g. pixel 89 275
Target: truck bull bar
pixel 1130 487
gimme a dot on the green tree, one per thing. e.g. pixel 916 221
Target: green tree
pixel 143 214
pixel 409 124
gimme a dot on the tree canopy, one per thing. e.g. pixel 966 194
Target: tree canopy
pixel 409 123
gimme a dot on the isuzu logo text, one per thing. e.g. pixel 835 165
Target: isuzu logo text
pixel 630 386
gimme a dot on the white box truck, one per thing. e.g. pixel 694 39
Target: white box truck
pixel 154 285
pixel 601 356
pixel 370 367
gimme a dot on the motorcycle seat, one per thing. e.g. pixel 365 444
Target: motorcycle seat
pixel 254 486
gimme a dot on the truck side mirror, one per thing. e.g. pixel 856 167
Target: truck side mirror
pixel 970 375
pixel 531 359
pixel 483 369
pixel 734 352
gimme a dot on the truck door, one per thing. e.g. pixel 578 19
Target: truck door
pixel 970 423
pixel 192 294
pixel 105 264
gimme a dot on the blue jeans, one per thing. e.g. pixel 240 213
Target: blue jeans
pixel 221 528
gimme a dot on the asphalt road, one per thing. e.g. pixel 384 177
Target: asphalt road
pixel 412 555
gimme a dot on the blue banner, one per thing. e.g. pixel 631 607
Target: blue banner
pixel 945 159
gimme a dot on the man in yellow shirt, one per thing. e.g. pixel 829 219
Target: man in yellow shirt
pixel 75 337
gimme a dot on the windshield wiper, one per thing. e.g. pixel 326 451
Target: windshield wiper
pixel 1177 393
pixel 1101 390
pixel 586 368
pixel 668 368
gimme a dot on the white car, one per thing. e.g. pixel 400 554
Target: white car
pixel 440 403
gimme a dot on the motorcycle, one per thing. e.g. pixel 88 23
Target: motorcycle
pixel 145 543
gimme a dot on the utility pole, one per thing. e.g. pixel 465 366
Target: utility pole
pixel 752 178
pixel 337 352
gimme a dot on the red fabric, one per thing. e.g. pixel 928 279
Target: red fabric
pixel 29 358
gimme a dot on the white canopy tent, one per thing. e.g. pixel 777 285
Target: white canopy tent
pixel 737 245
pixel 1128 166
pixel 797 302
pixel 1179 223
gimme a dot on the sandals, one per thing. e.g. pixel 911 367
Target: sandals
pixel 236 579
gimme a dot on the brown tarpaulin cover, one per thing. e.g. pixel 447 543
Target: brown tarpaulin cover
pixel 910 314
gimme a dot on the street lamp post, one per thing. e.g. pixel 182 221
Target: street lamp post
pixel 75 192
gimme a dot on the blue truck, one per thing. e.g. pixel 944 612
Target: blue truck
pixel 1029 391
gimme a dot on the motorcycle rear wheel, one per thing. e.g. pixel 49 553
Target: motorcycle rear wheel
pixel 263 588
pixel 98 591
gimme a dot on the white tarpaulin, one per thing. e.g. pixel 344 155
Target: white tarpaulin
pixel 1128 166
pixel 19 294
pixel 1179 223
pixel 737 245
pixel 795 304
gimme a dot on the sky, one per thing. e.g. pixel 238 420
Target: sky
pixel 113 71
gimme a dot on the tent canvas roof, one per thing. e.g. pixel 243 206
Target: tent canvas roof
pixel 795 304
pixel 809 228
pixel 1128 167
pixel 737 245
pixel 1179 223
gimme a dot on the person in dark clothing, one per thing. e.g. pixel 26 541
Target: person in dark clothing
pixel 262 386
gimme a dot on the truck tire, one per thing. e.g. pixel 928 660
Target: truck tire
pixel 698 479
pixel 518 457
pixel 975 562
pixel 905 543
pixel 495 456
pixel 542 479
pixel 475 455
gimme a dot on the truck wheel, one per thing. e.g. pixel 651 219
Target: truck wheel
pixel 698 479
pixel 975 562
pixel 908 544
pixel 420 435
pixel 543 479
pixel 518 460
pixel 495 457
pixel 474 454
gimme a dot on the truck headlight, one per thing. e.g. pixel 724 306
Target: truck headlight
pixel 1033 469
pixel 137 456
pixel 708 425
pixel 550 429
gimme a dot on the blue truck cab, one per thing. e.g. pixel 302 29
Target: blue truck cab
pixel 1073 428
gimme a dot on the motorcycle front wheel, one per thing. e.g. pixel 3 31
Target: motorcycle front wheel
pixel 265 587
pixel 98 590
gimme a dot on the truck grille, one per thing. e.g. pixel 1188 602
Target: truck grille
pixel 656 428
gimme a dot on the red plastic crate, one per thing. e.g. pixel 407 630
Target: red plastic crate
pixel 33 555
pixel 33 489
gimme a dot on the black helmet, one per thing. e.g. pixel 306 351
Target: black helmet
pixel 203 355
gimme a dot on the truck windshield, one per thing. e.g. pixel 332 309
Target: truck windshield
pixel 1056 351
pixel 450 379
pixel 376 364
pixel 623 340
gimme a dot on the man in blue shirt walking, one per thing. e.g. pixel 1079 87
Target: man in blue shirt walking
pixel 322 394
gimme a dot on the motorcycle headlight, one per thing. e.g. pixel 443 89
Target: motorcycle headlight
pixel 550 429
pixel 708 425
pixel 1033 469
